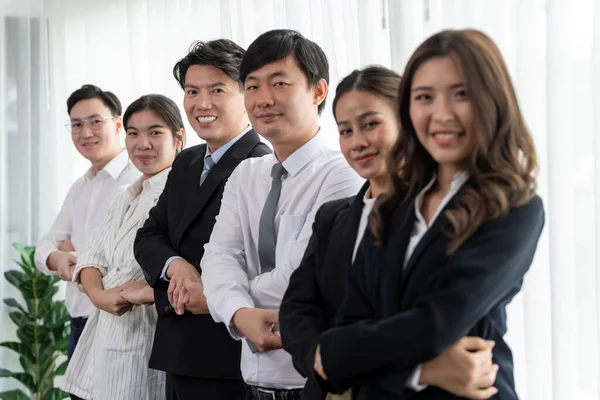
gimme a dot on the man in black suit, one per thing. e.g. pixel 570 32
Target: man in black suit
pixel 200 357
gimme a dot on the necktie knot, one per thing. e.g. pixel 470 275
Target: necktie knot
pixel 209 163
pixel 278 172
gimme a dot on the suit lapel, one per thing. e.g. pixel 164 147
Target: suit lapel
pixel 350 220
pixel 440 225
pixel 199 195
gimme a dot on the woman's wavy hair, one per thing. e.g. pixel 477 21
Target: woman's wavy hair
pixel 503 164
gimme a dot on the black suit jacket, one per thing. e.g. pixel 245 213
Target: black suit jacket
pixel 180 225
pixel 398 317
pixel 318 285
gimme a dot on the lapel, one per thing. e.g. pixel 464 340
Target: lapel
pixel 199 195
pixel 145 202
pixel 349 221
pixel 440 225
pixel 398 235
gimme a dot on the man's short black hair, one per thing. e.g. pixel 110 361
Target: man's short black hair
pixel 280 43
pixel 223 54
pixel 94 92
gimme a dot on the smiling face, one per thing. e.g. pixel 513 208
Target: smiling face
pixel 280 103
pixel 442 113
pixel 214 105
pixel 150 142
pixel 368 129
pixel 101 144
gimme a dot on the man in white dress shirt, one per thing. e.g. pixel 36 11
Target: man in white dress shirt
pixel 95 123
pixel 269 204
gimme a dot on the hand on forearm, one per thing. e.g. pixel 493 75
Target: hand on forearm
pixel 194 301
pixel 257 325
pixel 464 369
pixel 63 263
pixel 178 272
pixel 137 292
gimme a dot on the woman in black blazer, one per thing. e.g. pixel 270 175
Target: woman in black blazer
pixel 448 248
pixel 364 108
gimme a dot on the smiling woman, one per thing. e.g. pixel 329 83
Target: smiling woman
pixel 154 133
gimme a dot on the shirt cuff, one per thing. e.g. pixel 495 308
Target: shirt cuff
pixel 163 274
pixel 229 310
pixel 41 258
pixel 413 380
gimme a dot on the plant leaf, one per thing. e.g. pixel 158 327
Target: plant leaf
pixel 61 345
pixel 14 395
pixel 26 288
pixel 55 394
pixel 19 348
pixel 15 277
pixel 13 303
pixel 27 366
pixel 61 369
pixel 26 334
pixel 22 377
pixel 57 316
pixel 19 318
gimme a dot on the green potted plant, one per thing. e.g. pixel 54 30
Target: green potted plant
pixel 42 331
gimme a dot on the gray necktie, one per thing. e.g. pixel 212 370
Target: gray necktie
pixel 266 233
pixel 208 164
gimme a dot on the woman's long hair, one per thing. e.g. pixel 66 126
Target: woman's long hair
pixel 503 163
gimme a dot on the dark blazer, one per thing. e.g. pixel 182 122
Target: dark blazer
pixel 397 318
pixel 318 285
pixel 180 225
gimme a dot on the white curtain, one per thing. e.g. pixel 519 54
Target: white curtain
pixel 22 125
pixel 552 49
pixel 131 46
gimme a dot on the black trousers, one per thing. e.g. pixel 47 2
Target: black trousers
pixel 180 387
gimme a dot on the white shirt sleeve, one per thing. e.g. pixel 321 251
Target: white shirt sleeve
pixel 94 255
pixel 224 270
pixel 271 286
pixel 60 230
pixel 413 380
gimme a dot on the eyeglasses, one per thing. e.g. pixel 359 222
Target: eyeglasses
pixel 95 124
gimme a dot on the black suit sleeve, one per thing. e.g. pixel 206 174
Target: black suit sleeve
pixel 475 278
pixel 301 315
pixel 152 247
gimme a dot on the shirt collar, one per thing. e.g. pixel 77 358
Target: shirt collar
pixel 458 180
pixel 310 151
pixel 112 169
pixel 218 154
pixel 154 183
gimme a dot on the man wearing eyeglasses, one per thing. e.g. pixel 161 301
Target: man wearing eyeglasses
pixel 94 126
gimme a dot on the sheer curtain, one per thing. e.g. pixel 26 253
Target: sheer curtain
pixel 130 46
pixel 552 48
pixel 22 125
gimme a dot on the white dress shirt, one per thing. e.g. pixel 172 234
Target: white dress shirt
pixel 215 157
pixel 111 360
pixel 230 266
pixel 83 209
pixel 368 204
pixel 420 228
